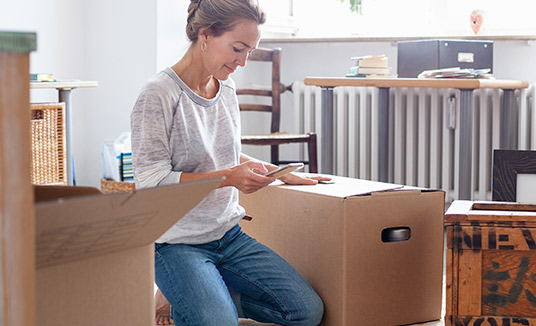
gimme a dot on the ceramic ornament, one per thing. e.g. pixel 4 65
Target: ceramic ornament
pixel 477 19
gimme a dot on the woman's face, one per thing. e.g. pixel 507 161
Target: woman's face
pixel 224 53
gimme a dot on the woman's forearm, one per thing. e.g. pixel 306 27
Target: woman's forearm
pixel 185 177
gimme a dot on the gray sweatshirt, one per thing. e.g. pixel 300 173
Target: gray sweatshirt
pixel 174 130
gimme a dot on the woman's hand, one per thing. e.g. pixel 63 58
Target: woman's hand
pixel 248 177
pixel 298 179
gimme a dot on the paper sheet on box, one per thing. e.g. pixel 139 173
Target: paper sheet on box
pixel 346 187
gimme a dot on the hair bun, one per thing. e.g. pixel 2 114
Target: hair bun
pixel 220 16
pixel 192 8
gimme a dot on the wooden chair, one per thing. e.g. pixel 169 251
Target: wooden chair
pixel 275 138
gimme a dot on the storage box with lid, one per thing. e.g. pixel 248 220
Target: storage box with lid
pixel 416 56
pixel 373 251
pixel 491 264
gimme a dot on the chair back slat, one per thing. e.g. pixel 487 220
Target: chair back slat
pixel 256 92
pixel 273 90
pixel 255 107
pixel 261 54
pixel 273 56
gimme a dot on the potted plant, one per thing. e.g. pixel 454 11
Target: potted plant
pixel 355 5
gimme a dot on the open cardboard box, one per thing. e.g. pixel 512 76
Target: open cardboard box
pixel 342 238
pixel 95 253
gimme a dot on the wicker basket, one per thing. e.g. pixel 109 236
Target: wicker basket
pixel 48 143
pixel 111 186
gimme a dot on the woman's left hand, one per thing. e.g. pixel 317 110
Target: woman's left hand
pixel 302 179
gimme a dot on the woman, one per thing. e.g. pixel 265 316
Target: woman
pixel 186 126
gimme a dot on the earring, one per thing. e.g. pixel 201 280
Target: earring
pixel 203 46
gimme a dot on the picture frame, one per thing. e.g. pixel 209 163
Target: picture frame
pixel 507 165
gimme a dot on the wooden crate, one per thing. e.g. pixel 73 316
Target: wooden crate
pixel 48 143
pixel 491 264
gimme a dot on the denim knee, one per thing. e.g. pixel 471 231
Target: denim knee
pixel 309 312
pixel 312 313
pixel 212 316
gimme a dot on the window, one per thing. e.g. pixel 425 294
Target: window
pixel 280 20
pixel 393 18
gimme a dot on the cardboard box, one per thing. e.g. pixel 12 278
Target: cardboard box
pixel 332 234
pixel 491 263
pixel 416 56
pixel 95 253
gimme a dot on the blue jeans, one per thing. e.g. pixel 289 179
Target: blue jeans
pixel 214 283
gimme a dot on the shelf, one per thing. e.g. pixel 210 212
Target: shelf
pixel 65 84
pixel 527 38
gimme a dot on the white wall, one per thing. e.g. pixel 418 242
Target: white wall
pixel 112 42
pixel 58 24
pixel 172 42
pixel 120 46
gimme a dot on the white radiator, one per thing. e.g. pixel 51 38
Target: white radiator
pixel 423 133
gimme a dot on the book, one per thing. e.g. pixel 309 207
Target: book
pixel 371 66
pixel 357 70
pixel 126 171
pixel 382 76
pixel 42 77
pixel 370 70
pixel 370 76
pixel 371 61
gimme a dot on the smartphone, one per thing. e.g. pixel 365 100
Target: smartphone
pixel 282 170
pixel 326 182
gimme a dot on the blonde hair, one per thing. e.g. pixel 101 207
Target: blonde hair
pixel 220 16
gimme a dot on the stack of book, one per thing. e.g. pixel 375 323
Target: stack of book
pixel 125 167
pixel 371 66
pixel 39 77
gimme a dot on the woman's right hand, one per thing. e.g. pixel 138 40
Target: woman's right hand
pixel 248 177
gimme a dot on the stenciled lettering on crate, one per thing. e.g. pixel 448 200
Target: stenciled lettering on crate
pixel 493 321
pixel 491 268
pixel 494 236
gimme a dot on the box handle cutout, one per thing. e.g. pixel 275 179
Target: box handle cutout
pixel 402 233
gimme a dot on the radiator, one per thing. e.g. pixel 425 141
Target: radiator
pixel 423 145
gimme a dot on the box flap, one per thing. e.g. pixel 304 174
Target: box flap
pixel 344 187
pixel 46 193
pixel 76 228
